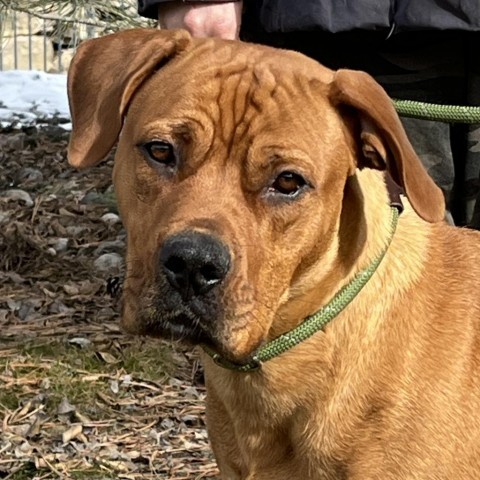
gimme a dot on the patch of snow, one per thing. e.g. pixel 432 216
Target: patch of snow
pixel 28 97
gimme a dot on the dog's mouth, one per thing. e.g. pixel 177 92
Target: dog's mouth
pixel 160 312
pixel 183 326
pixel 191 329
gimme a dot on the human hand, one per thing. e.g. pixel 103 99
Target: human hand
pixel 202 19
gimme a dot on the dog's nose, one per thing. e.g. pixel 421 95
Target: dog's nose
pixel 194 262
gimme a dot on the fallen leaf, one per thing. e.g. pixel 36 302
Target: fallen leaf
pixel 73 432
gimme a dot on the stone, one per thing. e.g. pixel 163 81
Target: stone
pixel 110 218
pixel 108 262
pixel 18 195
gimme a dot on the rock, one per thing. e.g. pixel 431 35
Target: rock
pixel 92 198
pixel 95 198
pixel 110 246
pixel 110 218
pixel 18 195
pixel 71 290
pixel 27 309
pixel 80 342
pixel 108 262
pixel 60 245
pixel 28 176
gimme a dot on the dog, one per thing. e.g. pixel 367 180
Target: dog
pixel 253 186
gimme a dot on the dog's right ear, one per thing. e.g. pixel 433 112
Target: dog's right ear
pixel 102 78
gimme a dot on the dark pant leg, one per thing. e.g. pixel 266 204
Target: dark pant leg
pixel 472 165
pixel 473 169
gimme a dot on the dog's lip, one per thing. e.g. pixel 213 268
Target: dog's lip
pixel 182 326
pixel 235 356
pixel 186 327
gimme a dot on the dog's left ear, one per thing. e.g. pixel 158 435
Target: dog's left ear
pixel 103 76
pixel 384 143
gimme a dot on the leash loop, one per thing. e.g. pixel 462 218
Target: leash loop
pixel 437 112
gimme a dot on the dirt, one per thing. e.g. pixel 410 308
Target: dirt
pixel 78 398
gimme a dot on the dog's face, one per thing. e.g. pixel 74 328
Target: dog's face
pixel 230 175
pixel 225 194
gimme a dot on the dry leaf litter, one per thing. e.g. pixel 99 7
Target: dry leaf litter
pixel 79 399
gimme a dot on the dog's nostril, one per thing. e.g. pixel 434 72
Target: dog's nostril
pixel 194 263
pixel 175 265
pixel 206 278
pixel 210 273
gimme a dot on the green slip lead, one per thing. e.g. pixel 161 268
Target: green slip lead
pixel 437 112
pixel 313 323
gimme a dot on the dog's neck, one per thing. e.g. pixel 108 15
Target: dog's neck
pixel 361 234
pixel 338 361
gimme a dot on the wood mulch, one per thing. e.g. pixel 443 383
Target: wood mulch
pixel 78 398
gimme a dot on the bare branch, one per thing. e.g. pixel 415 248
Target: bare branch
pixel 59 18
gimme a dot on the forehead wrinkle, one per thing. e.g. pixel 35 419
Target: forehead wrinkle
pixel 240 78
pixel 232 103
pixel 255 94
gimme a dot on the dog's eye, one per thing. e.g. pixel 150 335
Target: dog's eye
pixel 288 183
pixel 160 152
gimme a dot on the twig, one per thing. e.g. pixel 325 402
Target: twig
pixel 58 18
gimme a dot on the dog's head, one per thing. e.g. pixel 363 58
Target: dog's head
pixel 230 174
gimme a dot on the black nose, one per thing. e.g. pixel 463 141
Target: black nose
pixel 194 262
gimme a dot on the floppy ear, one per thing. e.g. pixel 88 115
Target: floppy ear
pixel 384 143
pixel 102 78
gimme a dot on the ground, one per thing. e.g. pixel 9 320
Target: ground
pixel 78 398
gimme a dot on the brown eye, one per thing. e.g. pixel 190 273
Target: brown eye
pixel 288 183
pixel 160 152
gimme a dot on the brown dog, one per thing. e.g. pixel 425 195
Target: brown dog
pixel 250 181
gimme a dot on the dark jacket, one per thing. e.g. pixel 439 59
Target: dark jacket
pixel 341 16
pixel 417 49
pixel 391 16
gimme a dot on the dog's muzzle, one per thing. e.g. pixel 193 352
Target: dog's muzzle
pixel 187 303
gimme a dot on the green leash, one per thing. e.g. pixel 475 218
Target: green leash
pixel 437 112
pixel 313 323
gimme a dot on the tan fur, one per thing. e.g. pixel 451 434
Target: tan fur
pixel 390 389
